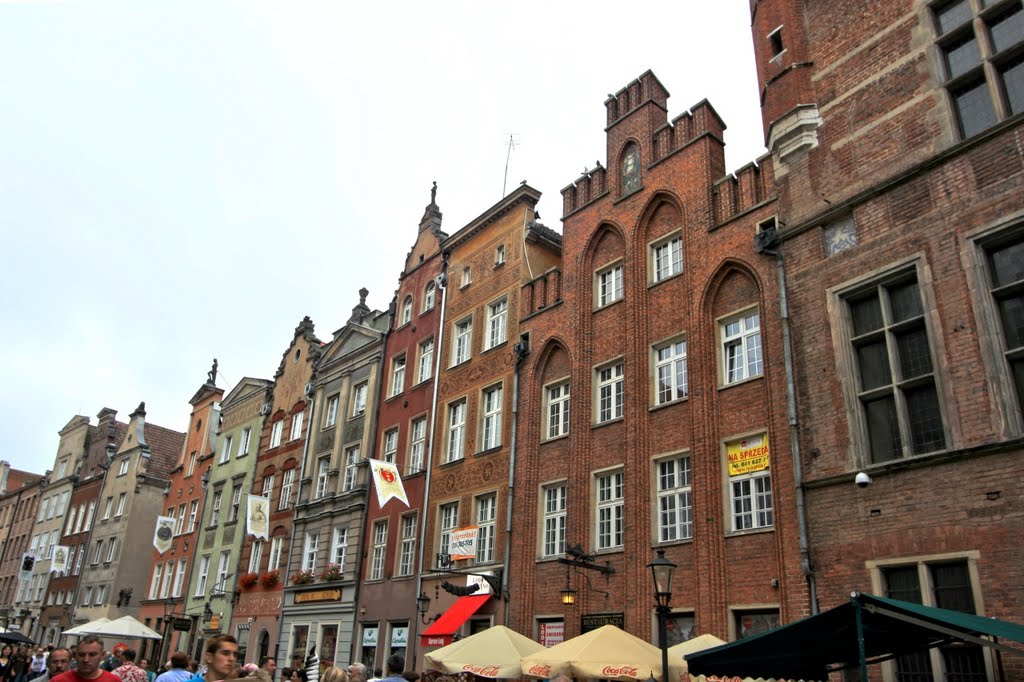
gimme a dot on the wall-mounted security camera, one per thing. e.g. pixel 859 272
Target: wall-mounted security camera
pixel 863 480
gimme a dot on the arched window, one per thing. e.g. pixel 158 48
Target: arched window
pixel 428 296
pixel 407 310
pixel 629 173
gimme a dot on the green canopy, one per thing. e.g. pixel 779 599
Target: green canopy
pixel 865 630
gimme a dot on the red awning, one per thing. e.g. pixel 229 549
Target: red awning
pixel 440 632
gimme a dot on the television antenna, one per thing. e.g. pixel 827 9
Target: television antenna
pixel 513 140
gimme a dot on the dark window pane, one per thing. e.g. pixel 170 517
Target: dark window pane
pixel 903 583
pixel 1013 86
pixel 905 301
pixel 915 355
pixel 1007 30
pixel 962 56
pixel 874 365
pixel 925 419
pixel 1017 367
pixel 883 429
pixel 964 663
pixel 915 667
pixel 952 15
pixel 867 315
pixel 1007 263
pixel 953 587
pixel 1011 310
pixel 974 107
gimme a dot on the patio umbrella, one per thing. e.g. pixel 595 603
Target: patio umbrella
pixel 86 628
pixel 605 653
pixel 124 627
pixel 692 646
pixel 494 652
pixel 13 637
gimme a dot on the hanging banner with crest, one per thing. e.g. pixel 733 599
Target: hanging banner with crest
pixel 163 535
pixel 60 559
pixel 257 516
pixel 387 482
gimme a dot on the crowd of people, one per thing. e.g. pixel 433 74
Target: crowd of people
pixel 87 661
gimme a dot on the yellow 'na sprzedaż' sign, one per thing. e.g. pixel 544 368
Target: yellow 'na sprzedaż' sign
pixel 748 454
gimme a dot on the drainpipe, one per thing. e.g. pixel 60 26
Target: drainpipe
pixel 522 350
pixel 794 428
pixel 442 283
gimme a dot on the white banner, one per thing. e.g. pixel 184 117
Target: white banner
pixel 257 516
pixel 388 482
pixel 462 543
pixel 163 534
pixel 60 559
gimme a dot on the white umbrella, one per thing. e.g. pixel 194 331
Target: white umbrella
pixel 494 652
pixel 86 628
pixel 125 627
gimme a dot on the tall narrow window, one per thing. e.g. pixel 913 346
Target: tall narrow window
pixel 609 285
pixel 491 426
pixel 456 431
pixel 268 485
pixel 428 296
pixel 351 468
pixel 222 571
pixel 557 409
pixel 275 433
pixel 193 514
pixel 243 449
pixel 407 310
pixel 417 444
pixel 609 393
pixel 236 500
pixel 380 545
pixel 426 361
pixel 675 501
pixel 225 451
pixel 179 526
pixel 215 509
pixel 202 576
pixel 629 171
pixel 1007 290
pixel 339 547
pixel 670 372
pixel 497 322
pixel 389 446
pixel 121 500
pixel 750 483
pixel 667 258
pixel 359 400
pixel 165 586
pixel 154 584
pixel 331 417
pixel 407 551
pixel 486 513
pixel 179 578
pixel 741 347
pixel 256 556
pixel 462 347
pixel 397 375
pixel 296 427
pixel 276 549
pixel 610 511
pixel 309 550
pixel 554 520
pixel 323 472
pixel 449 516
pixel 287 488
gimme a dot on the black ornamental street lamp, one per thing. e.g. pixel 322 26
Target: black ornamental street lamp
pixel 662 570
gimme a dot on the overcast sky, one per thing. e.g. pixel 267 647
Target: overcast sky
pixel 186 180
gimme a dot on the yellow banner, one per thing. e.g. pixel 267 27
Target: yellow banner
pixel 747 455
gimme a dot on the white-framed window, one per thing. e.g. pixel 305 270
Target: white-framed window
pixel 499 254
pixel 255 556
pixel 675 498
pixel 69 525
pixel 236 500
pixel 608 285
pixel 108 507
pixel 80 560
pixel 455 449
pixel 179 578
pixel 179 525
pixel 891 350
pixel 193 515
pixel 463 344
pixel 359 399
pixel 101 595
pixel 86 596
pixel 741 347
pixel 557 404
pixel 497 322
pixel 429 294
pixel 609 510
pixel 192 459
pixel 467 276
pixel 490 426
pixel 154 584
pixel 62 503
pixel 202 575
pixel 243 449
pixel 165 585
pixel 111 550
pixel 276 549
pixel 407 548
pixel 287 488
pixel 323 472
pixel 218 497
pixel 397 375
pixel 339 546
pixel 671 379
pixel 947 582
pixel 275 433
pixel 87 518
pixel 609 389
pixel 554 500
pixel 123 469
pixel 406 311
pixel 72 558
pixel 121 500
pixel 666 258
pixel 449 521
pixel 331 417
pixel 268 485
pixel 380 545
pixel 750 483
pixel 296 427
pixel 62 469
pixel 417 443
pixel 225 451
pixel 309 550
pixel 486 513
pixel 351 468
pixel 426 361
pixel 222 571
pixel 389 446
pixel 42 510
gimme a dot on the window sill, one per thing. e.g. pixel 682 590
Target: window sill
pixel 231 523
pixel 628 194
pixel 357 415
pixel 669 278
pixel 498 266
pixel 496 346
pixel 597 425
pixel 669 403
pixel 673 543
pixel 552 439
pixel 422 382
pixel 453 462
pixel 459 364
pixel 240 455
pixel 488 451
pixel 464 286
pixel 722 387
pixel 608 305
pixel 749 531
pixel 393 396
